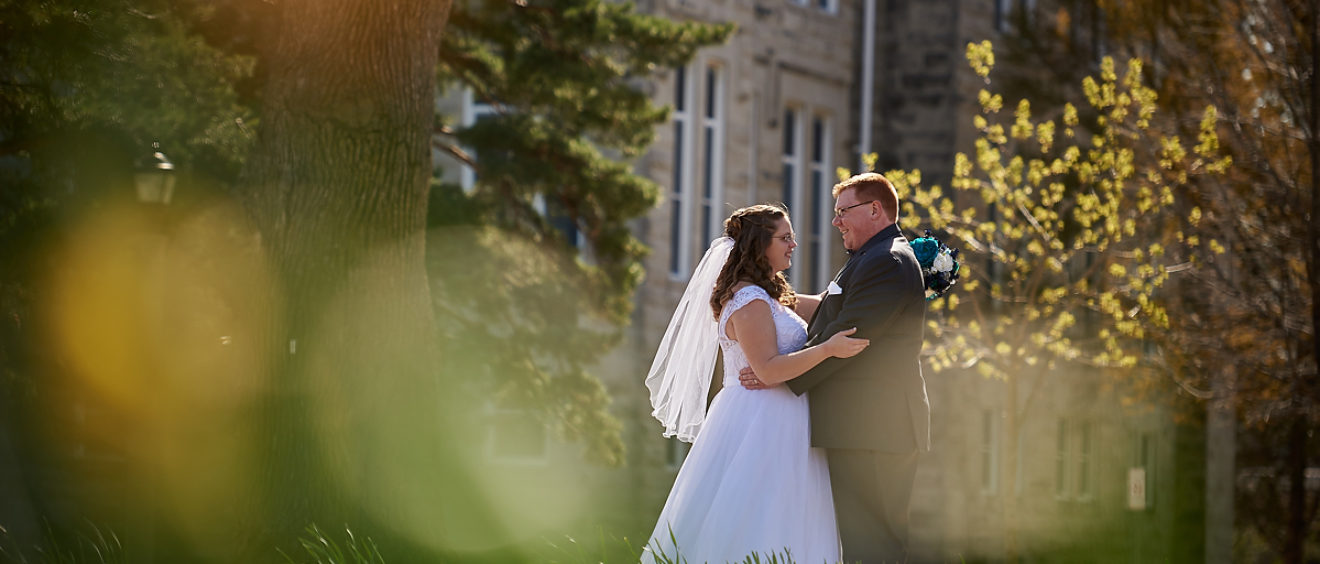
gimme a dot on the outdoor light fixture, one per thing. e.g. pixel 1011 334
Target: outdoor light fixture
pixel 154 176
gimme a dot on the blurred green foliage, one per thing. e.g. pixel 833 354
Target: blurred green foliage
pixel 90 85
pixel 528 310
pixel 523 312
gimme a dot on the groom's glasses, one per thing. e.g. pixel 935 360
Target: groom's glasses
pixel 840 211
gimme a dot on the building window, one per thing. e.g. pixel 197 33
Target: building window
pixel 1099 35
pixel 827 6
pixel 792 167
pixel 1085 487
pixel 1074 471
pixel 555 214
pixel 989 452
pixel 679 222
pixel 1002 10
pixel 992 270
pixel 1006 10
pixel 712 135
pixel 1144 457
pixel 1061 460
pixel 516 436
pixel 676 452
pixel 1028 10
pixel 1018 479
pixel 474 111
pixel 822 206
pixel 792 156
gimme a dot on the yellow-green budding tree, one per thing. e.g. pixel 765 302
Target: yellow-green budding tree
pixel 1070 233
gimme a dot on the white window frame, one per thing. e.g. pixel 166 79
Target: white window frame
pixel 712 138
pixel 493 412
pixel 821 242
pixel 792 171
pixel 473 110
pixel 681 185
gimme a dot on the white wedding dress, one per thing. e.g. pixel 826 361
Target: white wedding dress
pixel 751 483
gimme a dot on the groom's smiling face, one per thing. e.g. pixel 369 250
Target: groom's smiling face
pixel 854 219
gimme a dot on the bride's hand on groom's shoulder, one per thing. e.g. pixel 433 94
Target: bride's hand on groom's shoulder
pixel 842 345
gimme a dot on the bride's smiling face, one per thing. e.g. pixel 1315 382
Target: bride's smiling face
pixel 782 243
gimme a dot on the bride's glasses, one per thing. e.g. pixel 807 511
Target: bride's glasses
pixel 787 239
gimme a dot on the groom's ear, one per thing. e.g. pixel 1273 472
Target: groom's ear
pixel 881 215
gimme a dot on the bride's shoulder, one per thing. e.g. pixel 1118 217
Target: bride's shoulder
pixel 746 290
pixel 744 293
pixel 742 284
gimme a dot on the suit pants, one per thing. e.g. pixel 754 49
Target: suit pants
pixel 872 493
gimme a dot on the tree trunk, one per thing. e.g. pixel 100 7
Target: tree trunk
pixel 1009 469
pixel 1220 467
pixel 337 188
pixel 1295 547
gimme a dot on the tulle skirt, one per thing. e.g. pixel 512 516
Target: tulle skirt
pixel 751 483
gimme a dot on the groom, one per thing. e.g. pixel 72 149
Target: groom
pixel 870 412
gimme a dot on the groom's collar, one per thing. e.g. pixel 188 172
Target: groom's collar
pixel 884 235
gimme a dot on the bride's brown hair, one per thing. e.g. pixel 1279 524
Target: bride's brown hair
pixel 751 229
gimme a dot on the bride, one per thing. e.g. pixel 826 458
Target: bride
pixel 751 483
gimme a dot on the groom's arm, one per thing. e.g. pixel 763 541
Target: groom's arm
pixel 807 304
pixel 871 305
pixel 869 296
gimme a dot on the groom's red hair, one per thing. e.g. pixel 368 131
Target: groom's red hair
pixel 872 186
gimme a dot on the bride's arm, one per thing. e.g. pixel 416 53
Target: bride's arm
pixel 753 326
pixel 807 305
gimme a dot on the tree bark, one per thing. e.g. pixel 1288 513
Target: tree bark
pixel 1009 469
pixel 337 188
pixel 1220 468
pixel 1295 547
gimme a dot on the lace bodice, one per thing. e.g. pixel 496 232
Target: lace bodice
pixel 790 330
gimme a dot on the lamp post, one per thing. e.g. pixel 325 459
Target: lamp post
pixel 154 177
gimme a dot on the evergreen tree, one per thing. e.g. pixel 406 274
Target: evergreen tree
pixel 534 310
pixel 296 351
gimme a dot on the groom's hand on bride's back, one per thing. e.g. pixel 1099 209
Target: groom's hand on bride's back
pixel 748 379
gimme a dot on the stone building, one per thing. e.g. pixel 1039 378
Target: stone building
pixel 802 88
pixel 769 117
